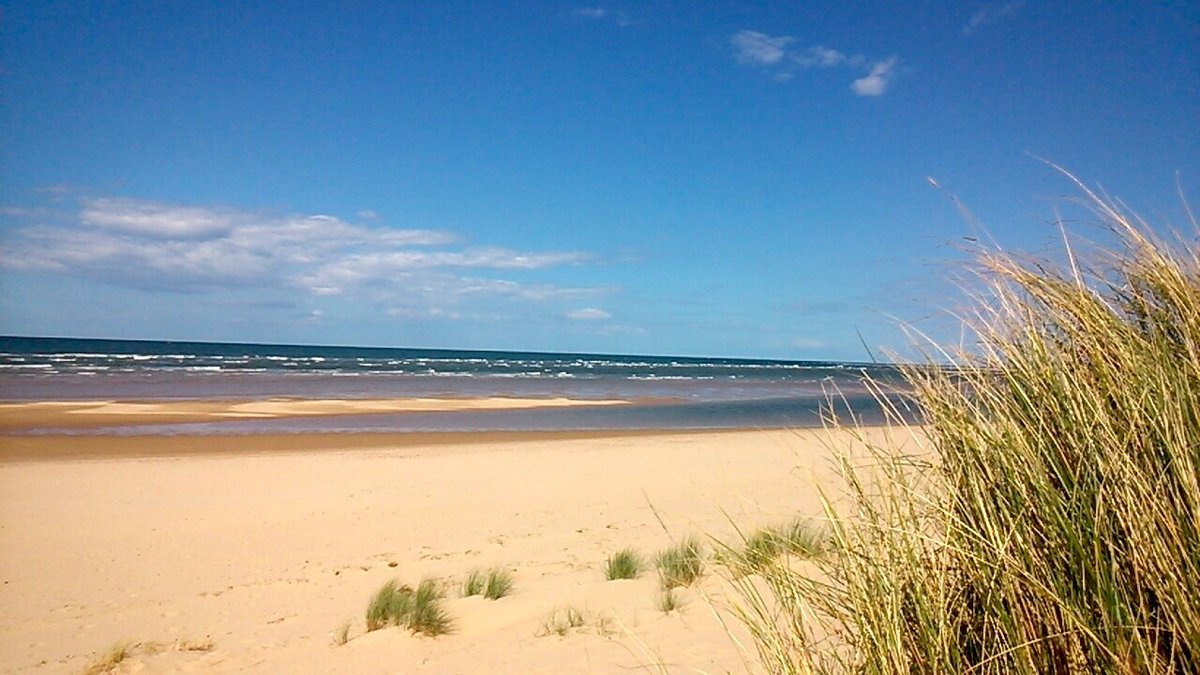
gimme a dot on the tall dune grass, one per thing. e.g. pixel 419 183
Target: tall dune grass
pixel 1053 525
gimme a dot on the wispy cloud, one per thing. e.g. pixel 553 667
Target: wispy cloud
pixel 156 220
pixel 589 314
pixel 618 17
pixel 754 48
pixel 777 55
pixel 819 56
pixel 992 14
pixel 159 246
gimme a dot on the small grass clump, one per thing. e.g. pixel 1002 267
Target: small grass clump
pixel 499 584
pixel 342 635
pixel 205 645
pixel 108 661
pixel 1047 519
pixel 668 600
pixel 389 605
pixel 762 547
pixel 418 610
pixel 561 621
pixel 681 564
pixel 766 544
pixel 492 584
pixel 474 583
pixel 110 658
pixel 624 564
pixel 801 539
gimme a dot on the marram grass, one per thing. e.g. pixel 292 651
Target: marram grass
pixel 681 564
pixel 624 564
pixel 492 584
pixel 1052 522
pixel 763 547
pixel 418 610
pixel 499 583
pixel 474 583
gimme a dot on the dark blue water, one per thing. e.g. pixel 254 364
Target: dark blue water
pixel 666 392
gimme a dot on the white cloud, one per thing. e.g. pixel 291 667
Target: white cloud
pixel 990 15
pixel 876 81
pixel 754 48
pixel 782 62
pixel 602 14
pixel 155 219
pixel 589 314
pixel 158 246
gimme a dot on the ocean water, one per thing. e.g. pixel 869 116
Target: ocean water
pixel 665 392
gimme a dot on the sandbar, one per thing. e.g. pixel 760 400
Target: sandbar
pixel 15 416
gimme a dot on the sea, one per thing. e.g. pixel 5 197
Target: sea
pixel 663 392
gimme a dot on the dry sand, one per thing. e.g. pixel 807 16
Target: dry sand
pixel 261 547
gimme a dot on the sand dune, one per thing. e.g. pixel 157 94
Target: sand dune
pixel 266 554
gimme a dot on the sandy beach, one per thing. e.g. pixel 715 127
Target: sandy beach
pixel 247 554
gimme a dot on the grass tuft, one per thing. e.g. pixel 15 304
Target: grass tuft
pixel 625 564
pixel 762 547
pixel 1047 519
pixel 499 584
pixel 474 584
pixel 110 658
pixel 342 635
pixel 389 605
pixel 561 621
pixel 668 601
pixel 426 615
pixel 492 584
pixel 108 661
pixel 418 610
pixel 802 539
pixel 681 564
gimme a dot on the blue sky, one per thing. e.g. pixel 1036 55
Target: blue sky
pixel 645 177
